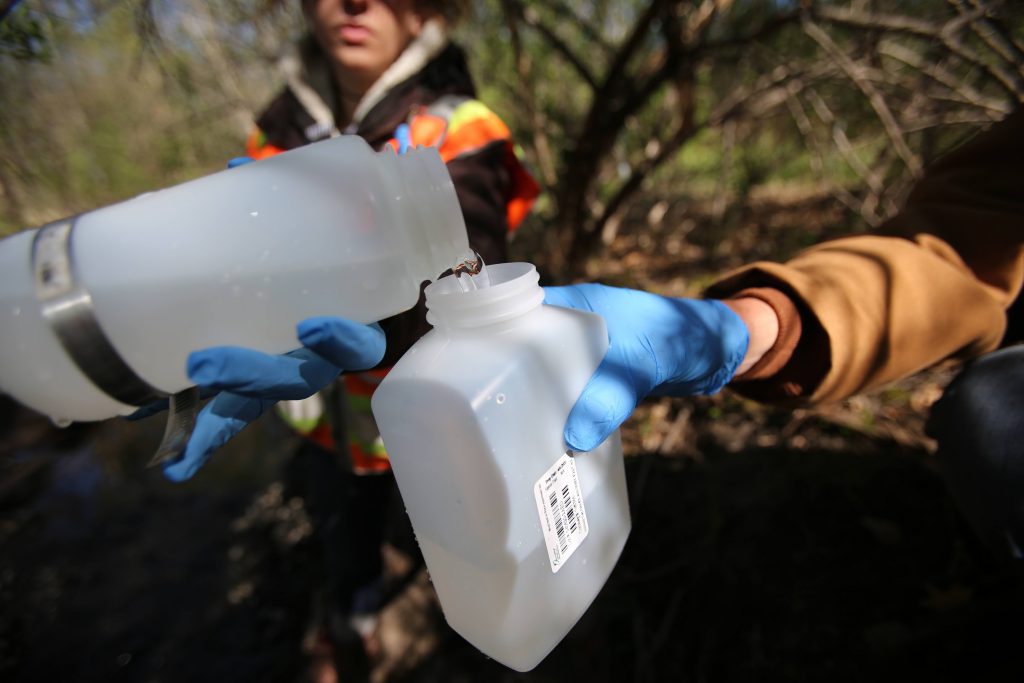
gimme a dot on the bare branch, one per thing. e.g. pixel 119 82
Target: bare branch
pixel 1015 45
pixel 946 33
pixel 541 144
pixel 849 16
pixel 965 117
pixel 842 142
pixel 770 26
pixel 617 98
pixel 633 42
pixel 701 19
pixel 767 91
pixel 815 148
pixel 933 70
pixel 566 14
pixel 530 18
pixel 874 97
pixel 655 156
pixel 989 32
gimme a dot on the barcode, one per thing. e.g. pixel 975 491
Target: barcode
pixel 563 516
pixel 570 512
pixel 563 542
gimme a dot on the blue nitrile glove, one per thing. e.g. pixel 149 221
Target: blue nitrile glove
pixel 404 136
pixel 240 161
pixel 250 382
pixel 658 345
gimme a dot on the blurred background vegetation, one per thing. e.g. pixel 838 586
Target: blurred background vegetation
pixel 673 140
pixel 631 113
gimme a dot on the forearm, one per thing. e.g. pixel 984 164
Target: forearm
pixel 873 309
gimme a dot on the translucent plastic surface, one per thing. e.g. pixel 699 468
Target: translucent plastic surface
pixel 472 417
pixel 236 258
pixel 33 366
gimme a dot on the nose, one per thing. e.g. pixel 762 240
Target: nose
pixel 354 6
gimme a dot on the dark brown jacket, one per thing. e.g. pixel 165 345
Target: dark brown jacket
pixel 482 179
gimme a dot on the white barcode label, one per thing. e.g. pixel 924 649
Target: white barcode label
pixel 560 506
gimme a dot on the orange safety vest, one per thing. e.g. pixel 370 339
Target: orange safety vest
pixel 457 126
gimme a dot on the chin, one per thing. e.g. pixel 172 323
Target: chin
pixel 356 60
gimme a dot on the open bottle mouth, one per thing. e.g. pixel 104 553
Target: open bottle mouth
pixel 512 290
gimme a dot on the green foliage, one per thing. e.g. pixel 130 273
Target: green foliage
pixel 717 98
pixel 127 102
pixel 104 99
pixel 22 36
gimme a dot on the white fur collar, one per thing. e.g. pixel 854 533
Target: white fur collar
pixel 310 80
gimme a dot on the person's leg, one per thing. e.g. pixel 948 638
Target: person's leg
pixel 347 512
pixel 979 426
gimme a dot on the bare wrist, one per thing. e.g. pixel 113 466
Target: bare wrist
pixel 762 325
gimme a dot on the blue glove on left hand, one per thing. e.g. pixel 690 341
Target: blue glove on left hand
pixel 659 345
pixel 250 382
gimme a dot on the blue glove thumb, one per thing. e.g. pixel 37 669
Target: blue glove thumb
pixel 657 345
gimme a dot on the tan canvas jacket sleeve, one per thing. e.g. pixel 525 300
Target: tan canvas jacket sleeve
pixel 934 282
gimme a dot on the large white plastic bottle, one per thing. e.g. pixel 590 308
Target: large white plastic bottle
pixel 518 534
pixel 237 257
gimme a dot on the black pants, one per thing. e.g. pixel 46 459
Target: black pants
pixel 979 426
pixel 348 516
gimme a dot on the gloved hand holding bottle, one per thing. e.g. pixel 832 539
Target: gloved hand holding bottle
pixel 658 345
pixel 249 382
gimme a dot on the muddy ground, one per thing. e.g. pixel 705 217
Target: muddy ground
pixel 767 545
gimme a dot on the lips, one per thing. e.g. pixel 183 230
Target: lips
pixel 353 34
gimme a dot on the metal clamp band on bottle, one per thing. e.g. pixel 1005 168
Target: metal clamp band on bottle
pixel 68 307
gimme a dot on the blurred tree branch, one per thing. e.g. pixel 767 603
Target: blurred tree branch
pixel 621 105
pixel 652 79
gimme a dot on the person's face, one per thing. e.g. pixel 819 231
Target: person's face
pixel 364 37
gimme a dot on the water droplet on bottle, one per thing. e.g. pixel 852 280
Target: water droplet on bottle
pixel 16 311
pixel 499 399
pixel 60 422
pixel 254 214
pixel 305 292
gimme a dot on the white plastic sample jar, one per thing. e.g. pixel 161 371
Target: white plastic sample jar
pixel 234 258
pixel 519 535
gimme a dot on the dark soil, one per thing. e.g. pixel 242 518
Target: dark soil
pixel 770 563
pixel 767 545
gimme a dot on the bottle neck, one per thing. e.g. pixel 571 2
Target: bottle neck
pixel 426 212
pixel 514 291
